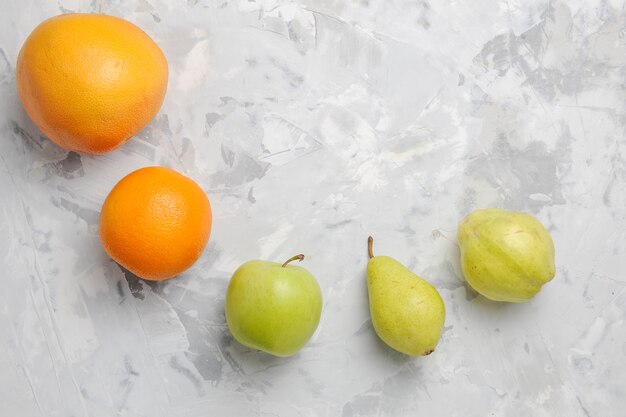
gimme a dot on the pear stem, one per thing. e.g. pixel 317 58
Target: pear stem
pixel 299 257
pixel 370 247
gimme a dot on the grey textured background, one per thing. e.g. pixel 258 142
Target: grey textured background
pixel 311 125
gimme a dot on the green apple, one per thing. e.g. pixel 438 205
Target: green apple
pixel 272 307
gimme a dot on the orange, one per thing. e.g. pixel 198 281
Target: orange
pixel 90 81
pixel 155 222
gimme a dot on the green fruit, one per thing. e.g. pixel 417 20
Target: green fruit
pixel 505 255
pixel 407 312
pixel 272 307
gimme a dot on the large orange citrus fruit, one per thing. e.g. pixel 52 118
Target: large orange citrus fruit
pixel 155 222
pixel 90 81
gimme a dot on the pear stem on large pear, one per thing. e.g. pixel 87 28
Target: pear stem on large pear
pixel 370 247
pixel 299 257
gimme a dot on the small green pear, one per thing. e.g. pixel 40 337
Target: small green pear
pixel 505 255
pixel 273 307
pixel 407 312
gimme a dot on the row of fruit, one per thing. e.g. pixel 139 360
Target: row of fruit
pixel 90 82
pixel 505 256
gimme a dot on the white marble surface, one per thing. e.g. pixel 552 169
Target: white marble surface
pixel 311 125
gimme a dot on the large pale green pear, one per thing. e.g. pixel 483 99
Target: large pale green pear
pixel 407 312
pixel 505 255
pixel 272 307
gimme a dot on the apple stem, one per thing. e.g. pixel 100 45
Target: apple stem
pixel 293 258
pixel 370 247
